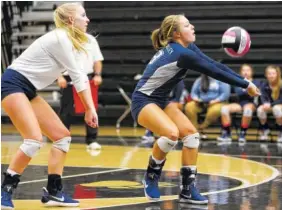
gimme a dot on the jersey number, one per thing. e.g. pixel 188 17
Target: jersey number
pixel 156 56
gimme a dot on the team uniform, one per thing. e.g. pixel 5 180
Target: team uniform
pixel 177 95
pixel 266 93
pixel 41 64
pixel 36 68
pixel 167 68
pixel 67 104
pixel 266 97
pixel 243 96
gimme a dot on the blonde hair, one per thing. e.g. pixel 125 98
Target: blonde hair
pixel 162 36
pixel 278 82
pixel 61 19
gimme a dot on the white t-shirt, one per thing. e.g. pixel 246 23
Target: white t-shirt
pixel 86 61
pixel 47 57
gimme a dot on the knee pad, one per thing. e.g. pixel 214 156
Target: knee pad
pixel 192 141
pixel 30 147
pixel 224 110
pixel 63 144
pixel 165 144
pixel 261 113
pixel 277 111
pixel 247 112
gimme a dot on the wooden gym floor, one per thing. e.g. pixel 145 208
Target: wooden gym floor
pixel 232 176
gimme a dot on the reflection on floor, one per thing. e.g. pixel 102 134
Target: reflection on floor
pixel 233 176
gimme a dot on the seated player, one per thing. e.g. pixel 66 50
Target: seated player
pixel 270 101
pixel 246 106
pixel 208 96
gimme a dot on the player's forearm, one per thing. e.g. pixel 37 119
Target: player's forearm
pixel 86 99
pixel 98 67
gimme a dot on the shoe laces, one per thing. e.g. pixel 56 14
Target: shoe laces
pixel 153 179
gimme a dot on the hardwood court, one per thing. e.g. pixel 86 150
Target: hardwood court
pixel 232 176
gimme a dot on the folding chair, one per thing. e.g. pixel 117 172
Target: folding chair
pixel 127 110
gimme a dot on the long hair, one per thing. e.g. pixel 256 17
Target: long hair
pixel 278 81
pixel 61 19
pixel 162 36
pixel 205 83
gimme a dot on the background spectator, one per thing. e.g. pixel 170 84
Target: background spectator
pixel 245 105
pixel 270 100
pixel 208 95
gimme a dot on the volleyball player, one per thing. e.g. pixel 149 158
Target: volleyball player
pixel 37 67
pixel 91 63
pixel 150 108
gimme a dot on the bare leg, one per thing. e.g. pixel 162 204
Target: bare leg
pixel 26 123
pixel 54 129
pixel 188 171
pixel 192 109
pixel 189 155
pixel 156 120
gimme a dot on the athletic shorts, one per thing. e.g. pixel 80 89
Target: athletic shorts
pixel 243 103
pixel 140 100
pixel 14 82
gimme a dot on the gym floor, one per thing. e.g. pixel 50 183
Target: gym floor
pixel 233 176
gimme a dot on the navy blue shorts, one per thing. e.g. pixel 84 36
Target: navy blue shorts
pixel 140 100
pixel 14 82
pixel 243 103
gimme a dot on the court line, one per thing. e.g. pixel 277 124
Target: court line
pixel 77 175
pixel 173 197
pixel 275 171
pixel 242 186
pixel 258 156
pixel 11 155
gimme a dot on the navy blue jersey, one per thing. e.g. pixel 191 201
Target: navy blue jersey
pixel 170 65
pixel 242 93
pixel 266 93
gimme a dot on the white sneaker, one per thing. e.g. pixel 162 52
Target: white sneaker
pixel 264 135
pixel 148 139
pixel 224 137
pixel 264 148
pixel 93 152
pixel 94 145
pixel 203 136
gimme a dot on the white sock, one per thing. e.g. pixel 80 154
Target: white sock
pixel 11 172
pixel 156 160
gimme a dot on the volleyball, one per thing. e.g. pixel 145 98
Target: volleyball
pixel 236 41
